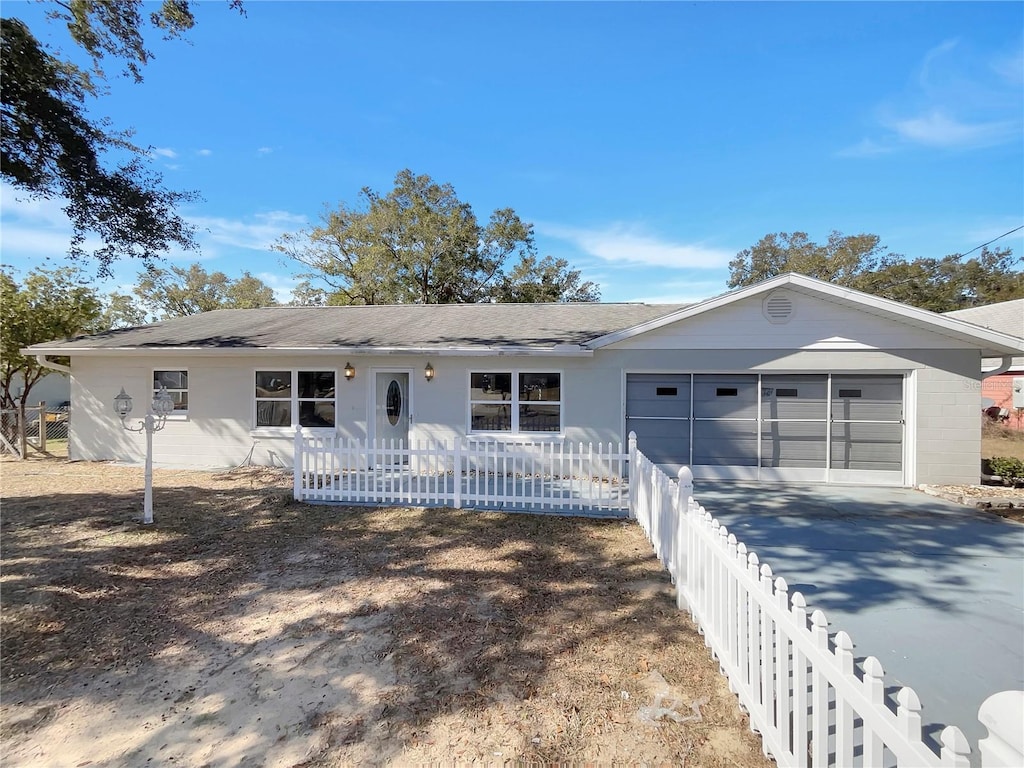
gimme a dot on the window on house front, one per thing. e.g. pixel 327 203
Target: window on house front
pixel 286 398
pixel 515 401
pixel 176 384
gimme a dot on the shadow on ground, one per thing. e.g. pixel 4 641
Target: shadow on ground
pixel 373 625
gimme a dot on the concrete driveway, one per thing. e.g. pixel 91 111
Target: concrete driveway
pixel 933 590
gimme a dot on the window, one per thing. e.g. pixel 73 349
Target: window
pixel 295 398
pixel 176 384
pixel 511 401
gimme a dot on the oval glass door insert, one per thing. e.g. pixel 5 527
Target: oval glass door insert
pixel 394 402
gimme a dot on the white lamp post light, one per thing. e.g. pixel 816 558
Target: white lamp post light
pixel 153 421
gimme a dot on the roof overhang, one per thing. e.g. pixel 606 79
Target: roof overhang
pixel 560 350
pixel 991 343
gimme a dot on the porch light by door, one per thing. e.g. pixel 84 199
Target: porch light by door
pixel 428 372
pixel 350 372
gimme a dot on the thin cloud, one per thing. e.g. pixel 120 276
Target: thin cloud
pixel 688 292
pixel 204 152
pixel 957 100
pixel 866 148
pixel 937 129
pixel 619 243
pixel 164 152
pixel 257 233
pixel 264 151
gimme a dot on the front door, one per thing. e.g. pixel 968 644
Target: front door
pixel 391 408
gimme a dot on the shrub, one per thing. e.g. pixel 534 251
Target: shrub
pixel 1007 467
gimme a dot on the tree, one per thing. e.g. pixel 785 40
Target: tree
pixel 178 291
pixel 120 311
pixel 421 244
pixel 860 262
pixel 839 261
pixel 547 280
pixel 50 148
pixel 47 305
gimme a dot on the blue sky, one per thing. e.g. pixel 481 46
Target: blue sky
pixel 647 143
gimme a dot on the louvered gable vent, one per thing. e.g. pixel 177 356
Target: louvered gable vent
pixel 778 307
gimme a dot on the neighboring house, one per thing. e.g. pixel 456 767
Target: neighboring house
pixel 52 389
pixel 997 389
pixel 792 379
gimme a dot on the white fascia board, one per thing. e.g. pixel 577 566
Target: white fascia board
pixel 562 350
pixel 992 343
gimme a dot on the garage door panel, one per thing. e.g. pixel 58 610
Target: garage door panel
pixel 794 397
pixel 658 395
pixel 867 446
pixel 793 444
pixel 725 443
pixel 867 398
pixel 666 437
pixel 725 396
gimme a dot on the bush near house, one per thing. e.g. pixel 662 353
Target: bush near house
pixel 1010 468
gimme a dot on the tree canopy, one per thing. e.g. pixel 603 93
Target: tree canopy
pixel 420 243
pixel 46 305
pixel 50 148
pixel 861 262
pixel 178 291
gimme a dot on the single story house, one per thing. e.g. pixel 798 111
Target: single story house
pixel 792 379
pixel 997 388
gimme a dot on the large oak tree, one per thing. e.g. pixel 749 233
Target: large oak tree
pixel 420 243
pixel 51 147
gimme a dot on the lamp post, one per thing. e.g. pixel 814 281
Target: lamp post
pixel 153 421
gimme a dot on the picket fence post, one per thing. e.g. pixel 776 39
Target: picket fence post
pixel 1003 715
pixel 297 466
pixel 458 472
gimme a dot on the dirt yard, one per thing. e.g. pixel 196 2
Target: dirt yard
pixel 1001 441
pixel 245 630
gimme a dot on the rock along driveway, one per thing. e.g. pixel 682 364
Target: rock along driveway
pixel 934 590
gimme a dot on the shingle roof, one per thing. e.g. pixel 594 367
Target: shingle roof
pixel 402 326
pixel 1006 316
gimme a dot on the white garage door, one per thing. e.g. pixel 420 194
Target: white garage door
pixel 796 427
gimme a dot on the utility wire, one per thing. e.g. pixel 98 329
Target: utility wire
pixel 1017 229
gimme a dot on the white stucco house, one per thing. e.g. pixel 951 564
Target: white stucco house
pixel 792 379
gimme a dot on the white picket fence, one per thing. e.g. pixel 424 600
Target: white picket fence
pixel 469 472
pixel 810 702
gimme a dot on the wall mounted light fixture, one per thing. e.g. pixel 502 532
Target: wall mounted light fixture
pixel 428 372
pixel 350 372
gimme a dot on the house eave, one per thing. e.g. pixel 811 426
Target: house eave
pixel 561 350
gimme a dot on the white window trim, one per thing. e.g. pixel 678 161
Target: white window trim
pixel 268 431
pixel 514 403
pixel 173 415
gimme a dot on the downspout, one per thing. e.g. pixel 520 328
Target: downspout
pixel 41 359
pixel 1003 367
